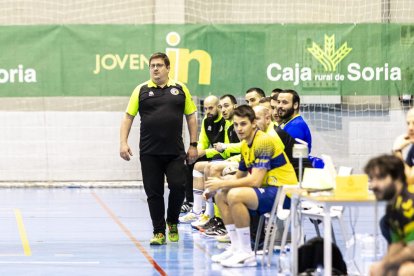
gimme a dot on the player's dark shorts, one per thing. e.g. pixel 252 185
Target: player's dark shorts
pixel 266 197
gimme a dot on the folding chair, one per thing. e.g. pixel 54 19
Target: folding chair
pixel 315 212
pixel 284 215
pixel 271 223
pixel 271 227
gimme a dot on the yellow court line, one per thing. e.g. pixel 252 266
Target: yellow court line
pixel 22 232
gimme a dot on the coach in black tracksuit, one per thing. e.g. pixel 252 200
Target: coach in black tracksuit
pixel 161 104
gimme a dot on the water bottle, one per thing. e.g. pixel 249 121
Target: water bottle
pixel 319 271
pixel 367 253
pixel 284 262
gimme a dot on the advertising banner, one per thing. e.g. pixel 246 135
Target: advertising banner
pixel 110 60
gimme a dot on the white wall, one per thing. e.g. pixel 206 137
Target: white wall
pixel 65 146
pixel 84 146
pixel 359 138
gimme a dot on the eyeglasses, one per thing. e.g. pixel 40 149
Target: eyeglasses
pixel 156 65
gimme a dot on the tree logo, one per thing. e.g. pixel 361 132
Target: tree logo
pixel 329 57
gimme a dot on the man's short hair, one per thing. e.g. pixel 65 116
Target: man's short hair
pixel 384 165
pixel 275 93
pixel 258 90
pixel 277 90
pixel 295 96
pixel 245 111
pixel 160 55
pixel 265 100
pixel 231 97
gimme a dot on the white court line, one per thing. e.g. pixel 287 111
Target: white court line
pixel 50 262
pixel 64 255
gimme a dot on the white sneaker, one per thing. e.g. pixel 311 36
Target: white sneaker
pixel 189 217
pixel 202 220
pixel 240 259
pixel 224 238
pixel 222 256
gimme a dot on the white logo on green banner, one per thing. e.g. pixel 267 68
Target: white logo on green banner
pixel 19 74
pixel 329 58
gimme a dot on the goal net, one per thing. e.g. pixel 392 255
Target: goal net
pixel 211 12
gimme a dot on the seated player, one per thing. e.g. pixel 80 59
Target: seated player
pixel 263 167
pixel 265 102
pixel 211 218
pixel 212 131
pixel 253 96
pixel 388 182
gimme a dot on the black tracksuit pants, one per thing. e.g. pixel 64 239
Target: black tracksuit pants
pixel 153 168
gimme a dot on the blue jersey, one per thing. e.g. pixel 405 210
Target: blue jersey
pixel 410 157
pixel 297 128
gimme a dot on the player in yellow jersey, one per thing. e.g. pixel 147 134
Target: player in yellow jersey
pixel 388 182
pixel 263 167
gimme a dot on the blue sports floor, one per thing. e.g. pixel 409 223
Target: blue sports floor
pixel 70 231
pixel 96 232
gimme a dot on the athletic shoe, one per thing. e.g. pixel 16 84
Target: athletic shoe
pixel 215 232
pixel 222 256
pixel 158 239
pixel 189 217
pixel 218 230
pixel 173 232
pixel 186 207
pixel 210 224
pixel 259 247
pixel 202 220
pixel 223 239
pixel 240 259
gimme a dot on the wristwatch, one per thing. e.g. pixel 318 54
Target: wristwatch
pixel 194 144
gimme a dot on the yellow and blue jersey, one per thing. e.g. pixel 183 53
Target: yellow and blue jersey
pixel 265 152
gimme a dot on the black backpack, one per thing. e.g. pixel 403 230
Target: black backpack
pixel 311 256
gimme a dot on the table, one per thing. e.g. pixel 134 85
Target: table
pixel 326 201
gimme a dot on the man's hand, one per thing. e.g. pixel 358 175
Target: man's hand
pixel 378 268
pixel 125 152
pixel 192 155
pixel 220 147
pixel 207 194
pixel 401 142
pixel 200 153
pixel 213 184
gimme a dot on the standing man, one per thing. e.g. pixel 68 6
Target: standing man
pixel 161 103
pixel 388 182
